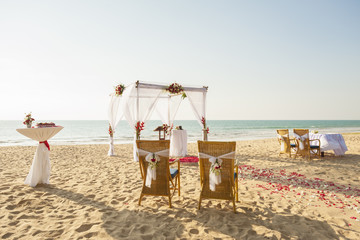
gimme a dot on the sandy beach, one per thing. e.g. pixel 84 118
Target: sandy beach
pixel 94 196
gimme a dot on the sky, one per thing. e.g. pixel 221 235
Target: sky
pixel 280 60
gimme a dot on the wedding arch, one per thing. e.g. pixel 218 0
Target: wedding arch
pixel 139 100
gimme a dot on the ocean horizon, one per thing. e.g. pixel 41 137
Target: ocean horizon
pixel 79 132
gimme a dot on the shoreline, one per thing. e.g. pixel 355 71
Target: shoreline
pixel 34 143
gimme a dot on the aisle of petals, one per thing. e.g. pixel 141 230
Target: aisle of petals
pixel 296 187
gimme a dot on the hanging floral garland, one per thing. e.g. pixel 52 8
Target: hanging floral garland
pixel 176 89
pixel 119 89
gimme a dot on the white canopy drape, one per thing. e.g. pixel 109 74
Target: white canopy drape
pixel 114 117
pixel 139 100
pixel 197 101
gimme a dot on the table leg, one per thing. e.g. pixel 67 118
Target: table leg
pixel 322 154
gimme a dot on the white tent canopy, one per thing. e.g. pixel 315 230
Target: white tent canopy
pixel 139 100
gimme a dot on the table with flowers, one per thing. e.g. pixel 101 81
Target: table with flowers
pixel 40 168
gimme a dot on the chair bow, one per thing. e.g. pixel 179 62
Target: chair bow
pixel 152 159
pixel 301 140
pixel 282 141
pixel 215 168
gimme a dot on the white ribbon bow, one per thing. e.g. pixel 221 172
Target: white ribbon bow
pixel 151 170
pixel 301 140
pixel 214 178
pixel 282 141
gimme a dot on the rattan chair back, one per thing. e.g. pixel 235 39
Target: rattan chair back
pixel 163 183
pixel 226 190
pixel 285 140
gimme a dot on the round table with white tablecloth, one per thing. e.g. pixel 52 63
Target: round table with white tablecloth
pixel 178 143
pixel 40 168
pixel 331 141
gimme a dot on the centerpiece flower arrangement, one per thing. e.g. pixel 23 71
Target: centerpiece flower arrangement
pixel 167 128
pixel 28 120
pixel 119 89
pixel 139 127
pixel 176 88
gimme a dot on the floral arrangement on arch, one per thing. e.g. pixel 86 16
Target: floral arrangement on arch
pixel 216 167
pixel 28 119
pixel 139 127
pixel 176 88
pixel 203 121
pixel 119 89
pixel 111 132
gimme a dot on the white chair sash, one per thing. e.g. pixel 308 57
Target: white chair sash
pixel 301 140
pixel 151 170
pixel 282 141
pixel 215 178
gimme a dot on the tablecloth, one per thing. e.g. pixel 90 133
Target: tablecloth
pixel 40 167
pixel 330 141
pixel 178 143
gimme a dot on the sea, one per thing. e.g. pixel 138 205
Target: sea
pixel 96 131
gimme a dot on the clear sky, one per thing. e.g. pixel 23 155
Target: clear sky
pixel 260 59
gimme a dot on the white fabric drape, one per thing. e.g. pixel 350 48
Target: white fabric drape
pixel 198 104
pixel 111 147
pixel 167 108
pixel 40 167
pixel 114 116
pixel 213 178
pixel 301 140
pixel 138 104
pixel 197 101
pixel 151 172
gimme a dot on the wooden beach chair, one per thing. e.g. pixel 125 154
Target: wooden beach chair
pixel 228 188
pixel 304 146
pixel 167 179
pixel 286 147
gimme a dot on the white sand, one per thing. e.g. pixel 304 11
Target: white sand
pixel 95 196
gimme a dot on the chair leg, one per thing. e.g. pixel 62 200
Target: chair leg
pixel 141 196
pixel 234 207
pixel 170 201
pixel 237 189
pixel 179 178
pixel 199 203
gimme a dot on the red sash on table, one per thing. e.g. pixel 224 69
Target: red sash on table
pixel 46 144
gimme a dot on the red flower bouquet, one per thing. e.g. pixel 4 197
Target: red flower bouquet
pixel 119 89
pixel 28 120
pixel 139 127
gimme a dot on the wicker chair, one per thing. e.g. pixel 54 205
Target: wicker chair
pixel 228 188
pixel 167 179
pixel 285 142
pixel 304 146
